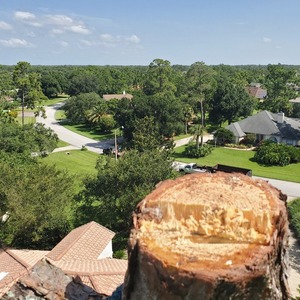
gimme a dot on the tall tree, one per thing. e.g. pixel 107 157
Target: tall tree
pixel 280 84
pixel 230 102
pixel 199 83
pixel 28 87
pixel 159 78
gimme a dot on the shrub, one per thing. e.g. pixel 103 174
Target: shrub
pixel 249 139
pixel 294 214
pixel 270 153
pixel 192 151
pixel 223 136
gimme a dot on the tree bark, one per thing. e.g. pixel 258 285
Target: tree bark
pixel 209 236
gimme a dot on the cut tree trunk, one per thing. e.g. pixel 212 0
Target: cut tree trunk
pixel 209 236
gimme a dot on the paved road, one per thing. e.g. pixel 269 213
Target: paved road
pixel 75 140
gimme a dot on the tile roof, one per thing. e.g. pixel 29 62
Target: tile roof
pixel 117 96
pixel 107 266
pixel 257 92
pixel 13 267
pixel 77 255
pixel 31 257
pixel 86 241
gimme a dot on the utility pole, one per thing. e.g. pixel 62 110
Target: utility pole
pixel 116 146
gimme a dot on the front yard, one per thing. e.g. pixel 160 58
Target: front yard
pixel 243 159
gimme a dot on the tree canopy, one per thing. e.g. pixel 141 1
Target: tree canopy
pixel 111 196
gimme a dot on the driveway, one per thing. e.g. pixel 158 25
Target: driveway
pixel 75 140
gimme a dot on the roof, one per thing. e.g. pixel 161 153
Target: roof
pixel 117 96
pixel 88 240
pixel 257 92
pixel 236 129
pixel 103 275
pixel 11 269
pixel 77 255
pixel 267 123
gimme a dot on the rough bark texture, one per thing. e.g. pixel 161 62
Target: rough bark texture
pixel 209 236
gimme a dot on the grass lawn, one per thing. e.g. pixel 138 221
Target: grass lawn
pixel 243 159
pixel 53 101
pixel 78 163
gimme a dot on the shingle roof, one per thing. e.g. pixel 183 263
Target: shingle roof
pixel 86 241
pixel 261 123
pixel 267 123
pixel 236 129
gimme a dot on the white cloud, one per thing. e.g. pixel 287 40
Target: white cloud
pixel 61 20
pixel 267 40
pixel 78 29
pixel 24 15
pixel 110 40
pixel 15 43
pixel 64 23
pixel 133 39
pixel 64 44
pixel 28 18
pixel 5 26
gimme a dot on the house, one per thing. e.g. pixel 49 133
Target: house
pixel 85 253
pixel 266 125
pixel 117 96
pixel 255 90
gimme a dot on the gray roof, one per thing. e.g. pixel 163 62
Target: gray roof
pixel 266 123
pixel 236 129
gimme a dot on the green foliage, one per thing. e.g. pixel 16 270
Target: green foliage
pixel 279 84
pixel 223 136
pixel 230 102
pixel 76 107
pixel 249 139
pixel 28 86
pixel 111 196
pixel 270 153
pixel 191 150
pixel 27 139
pixel 38 199
pixel 294 214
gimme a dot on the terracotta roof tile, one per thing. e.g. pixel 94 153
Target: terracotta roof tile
pixel 14 269
pixel 85 242
pixel 117 96
pixel 109 266
pixel 31 257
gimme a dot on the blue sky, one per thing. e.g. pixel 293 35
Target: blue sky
pixel 135 32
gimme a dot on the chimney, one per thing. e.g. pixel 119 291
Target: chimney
pixel 280 117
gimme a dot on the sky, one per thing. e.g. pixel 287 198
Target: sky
pixel 135 32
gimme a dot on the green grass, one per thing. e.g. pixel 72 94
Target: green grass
pixel 62 144
pixel 53 101
pixel 243 159
pixel 77 162
pixel 27 120
pixel 90 133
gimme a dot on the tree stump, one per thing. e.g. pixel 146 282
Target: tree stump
pixel 209 236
